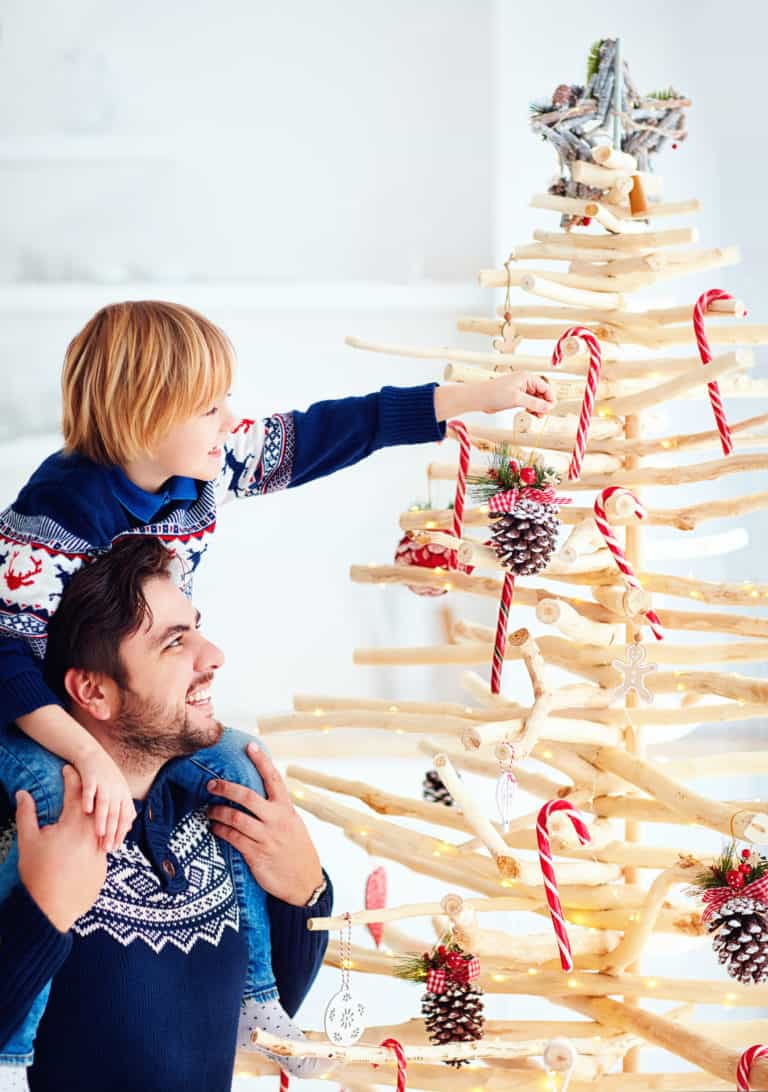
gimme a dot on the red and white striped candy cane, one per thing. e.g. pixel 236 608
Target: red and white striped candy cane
pixel 548 871
pixel 402 1065
pixel 285 1081
pixel 500 640
pixel 460 431
pixel 745 1065
pixel 590 391
pixel 700 307
pixel 613 545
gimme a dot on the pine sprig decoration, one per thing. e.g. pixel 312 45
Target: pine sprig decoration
pixel 664 95
pixel 506 472
pixel 415 968
pixel 753 866
pixel 593 60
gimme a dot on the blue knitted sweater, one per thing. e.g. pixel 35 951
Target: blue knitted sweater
pixel 73 510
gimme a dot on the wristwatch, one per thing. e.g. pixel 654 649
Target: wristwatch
pixel 317 894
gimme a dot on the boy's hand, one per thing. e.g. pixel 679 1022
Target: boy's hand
pixel 62 865
pixel 106 795
pixel 518 390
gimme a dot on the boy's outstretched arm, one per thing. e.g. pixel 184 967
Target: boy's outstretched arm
pixel 291 449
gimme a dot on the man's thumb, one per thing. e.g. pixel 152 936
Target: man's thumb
pixel 26 815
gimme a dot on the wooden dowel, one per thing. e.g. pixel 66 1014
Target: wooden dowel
pixel 594 174
pixel 630 282
pixel 554 612
pixel 641 240
pixel 550 290
pixel 668 208
pixel 613 159
pixel 749 825
pixel 671 315
pixel 679 385
pixel 506 361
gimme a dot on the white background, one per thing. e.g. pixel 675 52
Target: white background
pixel 305 171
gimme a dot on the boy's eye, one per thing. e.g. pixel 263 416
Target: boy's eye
pixel 210 412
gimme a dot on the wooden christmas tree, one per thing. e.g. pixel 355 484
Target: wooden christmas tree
pixel 577 740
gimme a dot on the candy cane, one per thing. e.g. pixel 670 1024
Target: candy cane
pixel 613 545
pixel 548 871
pixel 402 1065
pixel 745 1065
pixel 285 1081
pixel 500 640
pixel 460 431
pixel 590 391
pixel 701 305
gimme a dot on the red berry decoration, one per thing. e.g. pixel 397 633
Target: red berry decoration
pixel 745 868
pixel 732 877
pixel 746 853
pixel 674 147
pixel 586 221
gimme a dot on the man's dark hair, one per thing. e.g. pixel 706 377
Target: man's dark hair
pixel 102 604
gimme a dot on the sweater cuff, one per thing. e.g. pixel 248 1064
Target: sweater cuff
pixel 407 416
pixel 24 693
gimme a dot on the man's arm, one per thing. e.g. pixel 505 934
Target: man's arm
pixel 297 954
pixel 61 872
pixel 31 951
pixel 278 850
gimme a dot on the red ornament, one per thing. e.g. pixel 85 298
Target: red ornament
pixel 674 147
pixel 426 556
pixel 745 853
pixel 745 869
pixel 586 221
pixel 376 899
pixel 528 475
pixel 732 877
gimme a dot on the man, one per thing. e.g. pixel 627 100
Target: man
pixel 144 945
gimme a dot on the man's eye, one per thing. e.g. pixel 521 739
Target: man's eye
pixel 175 643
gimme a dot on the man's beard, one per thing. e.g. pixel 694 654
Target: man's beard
pixel 148 730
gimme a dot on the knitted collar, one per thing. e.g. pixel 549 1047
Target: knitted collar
pixel 144 505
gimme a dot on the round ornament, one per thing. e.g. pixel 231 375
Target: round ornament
pixel 344 1018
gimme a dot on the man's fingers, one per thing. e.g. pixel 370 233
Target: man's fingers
pixel 234 837
pixel 273 782
pixel 239 794
pixel 26 816
pixel 251 828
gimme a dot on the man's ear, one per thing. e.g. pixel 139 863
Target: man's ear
pixel 92 692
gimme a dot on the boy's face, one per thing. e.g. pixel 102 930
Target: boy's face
pixel 194 448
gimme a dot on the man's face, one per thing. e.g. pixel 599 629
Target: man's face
pixel 166 709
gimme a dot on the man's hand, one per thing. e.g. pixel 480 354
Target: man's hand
pixel 272 839
pixel 518 390
pixel 62 866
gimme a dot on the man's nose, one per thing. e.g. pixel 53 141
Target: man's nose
pixel 209 656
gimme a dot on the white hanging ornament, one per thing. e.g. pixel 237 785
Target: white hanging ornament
pixel 506 785
pixel 634 669
pixel 345 1015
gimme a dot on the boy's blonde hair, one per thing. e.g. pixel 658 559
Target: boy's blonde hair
pixel 134 371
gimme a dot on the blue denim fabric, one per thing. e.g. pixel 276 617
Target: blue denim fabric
pixel 24 764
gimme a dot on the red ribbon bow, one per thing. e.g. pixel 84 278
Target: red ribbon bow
pixel 457 969
pixel 505 501
pixel 716 897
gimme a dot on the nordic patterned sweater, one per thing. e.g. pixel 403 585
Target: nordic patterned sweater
pixel 72 510
pixel 147 984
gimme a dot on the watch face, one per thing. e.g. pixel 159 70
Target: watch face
pixel 344 1018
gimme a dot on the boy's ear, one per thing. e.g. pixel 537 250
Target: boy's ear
pixel 92 692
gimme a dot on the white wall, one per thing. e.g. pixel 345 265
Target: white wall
pixel 301 172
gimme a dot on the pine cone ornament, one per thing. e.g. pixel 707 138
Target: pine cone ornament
pixel 735 893
pixel 562 95
pixel 434 791
pixel 741 938
pixel 525 538
pixel 454 1016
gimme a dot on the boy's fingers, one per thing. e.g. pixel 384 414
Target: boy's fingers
pixel 110 832
pixel 26 816
pixel 89 798
pixel 101 815
pixel 535 405
pixel 273 782
pixel 72 791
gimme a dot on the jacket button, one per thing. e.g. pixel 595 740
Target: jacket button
pixel 168 868
pixel 150 813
